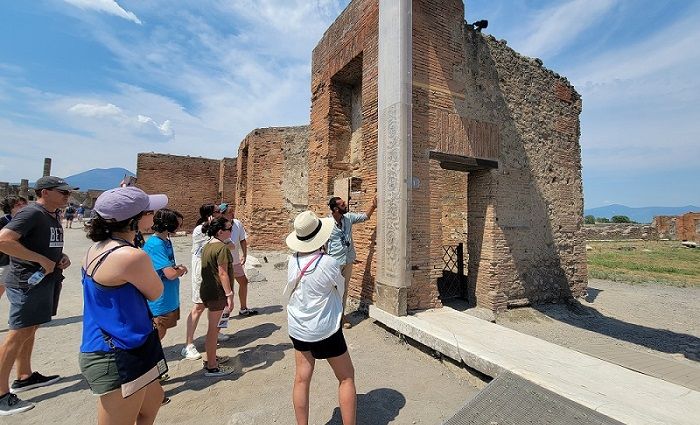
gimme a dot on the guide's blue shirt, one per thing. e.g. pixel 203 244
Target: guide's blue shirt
pixel 340 245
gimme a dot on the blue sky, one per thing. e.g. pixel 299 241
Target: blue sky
pixel 91 83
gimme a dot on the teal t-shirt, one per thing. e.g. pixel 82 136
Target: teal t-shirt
pixel 162 256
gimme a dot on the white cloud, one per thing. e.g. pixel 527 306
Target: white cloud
pixel 110 111
pixel 554 28
pixel 89 110
pixel 106 6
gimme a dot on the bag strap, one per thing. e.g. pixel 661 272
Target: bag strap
pixel 301 274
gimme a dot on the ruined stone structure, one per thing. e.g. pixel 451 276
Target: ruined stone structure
pixel 272 183
pixel 681 228
pixel 266 184
pixel 189 182
pixel 466 142
pixel 620 232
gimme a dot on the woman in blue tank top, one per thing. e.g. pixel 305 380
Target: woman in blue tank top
pixel 118 278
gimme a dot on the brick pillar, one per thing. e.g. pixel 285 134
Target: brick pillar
pixel 484 288
pixel 394 155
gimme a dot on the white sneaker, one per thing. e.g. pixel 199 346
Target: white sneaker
pixel 190 353
pixel 222 337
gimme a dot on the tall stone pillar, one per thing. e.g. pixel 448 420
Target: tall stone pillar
pixel 24 188
pixel 394 155
pixel 47 167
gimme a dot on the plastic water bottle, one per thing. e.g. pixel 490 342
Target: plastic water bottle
pixel 36 278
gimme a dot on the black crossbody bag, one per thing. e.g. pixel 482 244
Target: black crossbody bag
pixel 138 366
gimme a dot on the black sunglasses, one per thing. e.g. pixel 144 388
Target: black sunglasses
pixel 61 191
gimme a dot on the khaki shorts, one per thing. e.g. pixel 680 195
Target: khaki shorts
pixel 166 321
pixel 100 372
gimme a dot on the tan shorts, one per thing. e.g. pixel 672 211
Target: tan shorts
pixel 238 270
pixel 167 321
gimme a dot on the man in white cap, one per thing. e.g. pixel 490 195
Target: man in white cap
pixel 34 242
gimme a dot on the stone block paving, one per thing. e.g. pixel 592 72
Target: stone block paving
pixel 647 363
pixel 510 400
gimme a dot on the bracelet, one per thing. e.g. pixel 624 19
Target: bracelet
pixel 229 294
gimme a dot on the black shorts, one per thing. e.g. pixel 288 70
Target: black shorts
pixel 333 346
pixel 33 306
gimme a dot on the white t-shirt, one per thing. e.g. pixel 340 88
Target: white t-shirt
pixel 199 239
pixel 315 308
pixel 238 234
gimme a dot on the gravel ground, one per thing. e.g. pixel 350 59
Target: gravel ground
pixel 651 317
pixel 396 383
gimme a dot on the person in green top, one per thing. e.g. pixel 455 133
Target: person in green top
pixel 216 290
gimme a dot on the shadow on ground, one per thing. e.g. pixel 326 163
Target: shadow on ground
pixel 377 407
pixel 575 313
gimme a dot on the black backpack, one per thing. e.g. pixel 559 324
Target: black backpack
pixel 4 258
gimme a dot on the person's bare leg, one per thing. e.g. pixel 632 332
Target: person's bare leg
pixel 151 403
pixel 192 321
pixel 23 363
pixel 242 291
pixel 302 382
pixel 113 409
pixel 210 341
pixel 14 340
pixel 347 394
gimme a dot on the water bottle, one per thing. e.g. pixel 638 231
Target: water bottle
pixel 36 278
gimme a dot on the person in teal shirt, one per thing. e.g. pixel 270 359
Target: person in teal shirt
pixel 340 245
pixel 166 309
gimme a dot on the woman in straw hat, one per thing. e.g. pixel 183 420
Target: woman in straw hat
pixel 314 313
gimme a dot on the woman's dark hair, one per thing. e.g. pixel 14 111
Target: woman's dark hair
pixel 205 211
pixel 10 202
pixel 98 229
pixel 213 227
pixel 166 219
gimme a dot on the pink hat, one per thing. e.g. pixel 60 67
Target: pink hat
pixel 122 203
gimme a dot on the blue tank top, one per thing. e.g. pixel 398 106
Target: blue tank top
pixel 120 311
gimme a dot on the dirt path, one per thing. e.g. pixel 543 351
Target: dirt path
pixel 396 383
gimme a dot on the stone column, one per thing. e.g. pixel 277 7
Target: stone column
pixel 24 188
pixel 394 155
pixel 47 167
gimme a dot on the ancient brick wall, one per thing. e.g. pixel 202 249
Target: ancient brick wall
pixel 343 131
pixel 189 182
pixel 678 228
pixel 228 174
pixel 537 204
pixel 272 183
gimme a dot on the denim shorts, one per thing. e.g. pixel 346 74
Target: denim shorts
pixel 34 305
pixel 100 372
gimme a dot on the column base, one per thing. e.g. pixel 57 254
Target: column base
pixel 391 299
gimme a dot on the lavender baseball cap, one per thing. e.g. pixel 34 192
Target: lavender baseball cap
pixel 122 203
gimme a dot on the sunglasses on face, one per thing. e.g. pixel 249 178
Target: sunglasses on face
pixel 227 229
pixel 61 191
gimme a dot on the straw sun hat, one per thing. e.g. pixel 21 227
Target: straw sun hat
pixel 310 232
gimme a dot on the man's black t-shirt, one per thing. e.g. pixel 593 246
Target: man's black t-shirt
pixel 40 232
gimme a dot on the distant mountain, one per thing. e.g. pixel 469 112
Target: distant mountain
pixel 98 178
pixel 640 215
